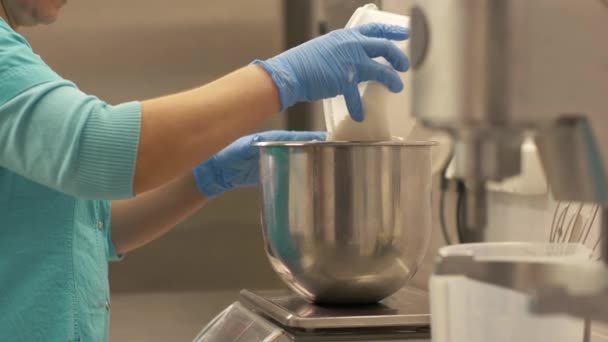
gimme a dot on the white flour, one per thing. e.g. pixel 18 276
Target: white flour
pixel 376 125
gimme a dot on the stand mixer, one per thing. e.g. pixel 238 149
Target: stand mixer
pixel 492 72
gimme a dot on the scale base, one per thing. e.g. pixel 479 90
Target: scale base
pixel 406 312
pixel 280 316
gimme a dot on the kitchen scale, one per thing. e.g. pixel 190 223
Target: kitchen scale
pixel 280 316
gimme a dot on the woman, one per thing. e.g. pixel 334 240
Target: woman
pixel 83 182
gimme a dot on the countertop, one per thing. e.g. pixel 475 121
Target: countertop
pixel 156 317
pixel 172 316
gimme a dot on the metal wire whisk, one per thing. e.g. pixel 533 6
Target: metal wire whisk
pixel 575 229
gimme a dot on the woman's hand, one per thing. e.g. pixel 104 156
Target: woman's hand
pixel 336 63
pixel 238 164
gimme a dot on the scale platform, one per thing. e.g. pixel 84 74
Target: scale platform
pixel 408 308
pixel 281 316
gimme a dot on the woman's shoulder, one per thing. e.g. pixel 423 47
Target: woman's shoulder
pixel 10 38
pixel 20 67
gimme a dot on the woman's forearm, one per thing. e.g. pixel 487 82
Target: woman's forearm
pixel 180 131
pixel 97 151
pixel 138 221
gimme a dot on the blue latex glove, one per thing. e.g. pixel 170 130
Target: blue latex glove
pixel 238 164
pixel 336 63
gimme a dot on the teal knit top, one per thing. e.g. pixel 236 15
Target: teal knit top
pixel 63 155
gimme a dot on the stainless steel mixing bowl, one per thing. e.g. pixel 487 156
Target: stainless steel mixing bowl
pixel 345 223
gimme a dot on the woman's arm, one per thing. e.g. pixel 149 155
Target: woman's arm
pixel 180 131
pixel 58 136
pixel 147 217
pixel 325 67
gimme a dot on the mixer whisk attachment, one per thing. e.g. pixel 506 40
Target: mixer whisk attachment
pixel 574 223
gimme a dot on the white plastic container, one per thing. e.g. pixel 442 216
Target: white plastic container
pixel 467 310
pixel 381 107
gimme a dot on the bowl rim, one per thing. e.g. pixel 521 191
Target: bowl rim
pixel 314 143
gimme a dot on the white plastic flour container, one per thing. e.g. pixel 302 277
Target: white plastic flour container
pixel 382 108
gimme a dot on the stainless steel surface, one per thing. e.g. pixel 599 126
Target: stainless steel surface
pixel 240 322
pixel 408 308
pixel 475 219
pixel 346 222
pixel 572 160
pixel 501 70
pixel 504 69
pixel 482 156
pixel 579 289
pixel 503 64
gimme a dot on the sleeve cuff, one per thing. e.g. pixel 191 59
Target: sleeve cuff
pixel 108 151
pixel 112 255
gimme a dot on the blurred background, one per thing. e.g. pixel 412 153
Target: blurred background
pixel 137 49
